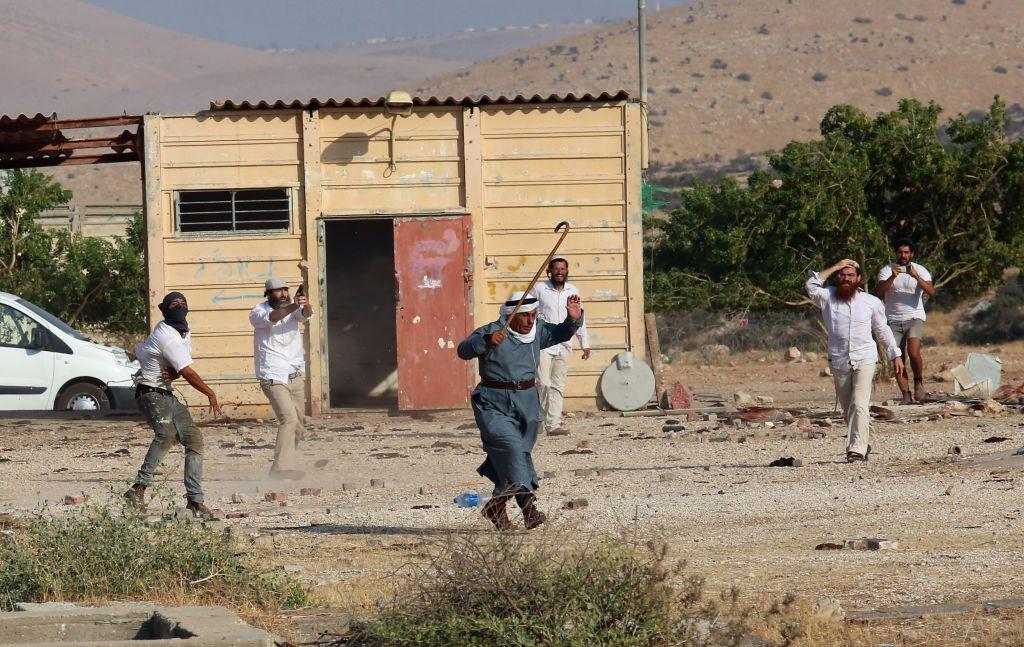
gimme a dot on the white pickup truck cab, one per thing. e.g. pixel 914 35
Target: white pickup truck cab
pixel 46 364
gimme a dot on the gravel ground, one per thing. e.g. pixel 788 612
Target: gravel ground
pixel 733 518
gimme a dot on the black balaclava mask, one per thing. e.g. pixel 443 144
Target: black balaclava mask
pixel 175 317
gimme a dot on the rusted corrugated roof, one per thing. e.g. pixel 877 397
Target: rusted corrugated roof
pixel 485 100
pixel 27 142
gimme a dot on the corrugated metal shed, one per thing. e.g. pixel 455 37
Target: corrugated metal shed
pixel 367 102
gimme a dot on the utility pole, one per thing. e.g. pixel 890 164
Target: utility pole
pixel 641 20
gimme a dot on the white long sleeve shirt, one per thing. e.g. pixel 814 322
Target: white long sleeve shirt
pixel 552 307
pixel 277 347
pixel 850 323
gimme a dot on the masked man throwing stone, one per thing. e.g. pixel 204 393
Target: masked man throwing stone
pixel 165 355
pixel 850 316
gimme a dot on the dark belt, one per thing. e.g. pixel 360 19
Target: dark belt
pixel 509 386
pixel 145 388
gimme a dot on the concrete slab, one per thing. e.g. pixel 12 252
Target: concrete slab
pixel 117 625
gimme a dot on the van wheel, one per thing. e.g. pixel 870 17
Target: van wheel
pixel 83 396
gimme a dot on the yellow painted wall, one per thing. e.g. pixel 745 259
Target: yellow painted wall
pixel 515 170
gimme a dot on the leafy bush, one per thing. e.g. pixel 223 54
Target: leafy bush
pixel 82 280
pixel 957 192
pixel 97 554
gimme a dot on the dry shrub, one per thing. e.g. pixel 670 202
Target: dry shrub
pixel 100 553
pixel 565 587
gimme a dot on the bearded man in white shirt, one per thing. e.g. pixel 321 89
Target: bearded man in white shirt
pixel 850 316
pixel 280 367
pixel 552 306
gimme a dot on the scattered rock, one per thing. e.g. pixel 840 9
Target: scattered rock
pixel 377 483
pixel 995 439
pixel 786 461
pixel 446 444
pixel 715 351
pixel 764 400
pixel 951 490
pixel 237 515
pixel 321 463
pixel 466 426
pixel 583 472
pixel 828 545
pixel 264 541
pixel 548 474
pixel 74 500
pixel 310 491
pixel 423 506
pixel 792 354
pixel 829 609
pixel 349 487
pixel 742 399
pixel 881 413
pixel 575 504
pixel 7 520
pixel 871 544
pixel 668 428
pixel 272 497
pixel 665 477
pixel 583 444
pixel 679 397
pixel 811 357
pixel 238 498
pixel 826 372
pixel 989 406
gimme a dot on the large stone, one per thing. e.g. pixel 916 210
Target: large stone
pixel 679 397
pixel 742 399
pixel 792 354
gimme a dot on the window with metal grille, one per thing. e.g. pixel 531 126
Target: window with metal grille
pixel 235 210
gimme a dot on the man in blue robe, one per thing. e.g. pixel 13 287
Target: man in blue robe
pixel 506 405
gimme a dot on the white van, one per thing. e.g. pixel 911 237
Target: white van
pixel 46 364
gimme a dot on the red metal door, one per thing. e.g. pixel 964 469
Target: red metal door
pixel 432 259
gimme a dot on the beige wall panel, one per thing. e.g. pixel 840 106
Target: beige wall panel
pixel 406 173
pixel 397 200
pixel 230 297
pixel 547 169
pixel 526 265
pixel 259 125
pixel 592 240
pixel 542 194
pixel 361 150
pixel 579 146
pixel 607 335
pixel 341 122
pixel 225 367
pixel 243 273
pixel 220 320
pixel 231 152
pixel 206 344
pixel 526 217
pixel 550 117
pixel 232 177
pixel 214 249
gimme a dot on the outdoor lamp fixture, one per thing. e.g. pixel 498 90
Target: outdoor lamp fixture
pixel 398 104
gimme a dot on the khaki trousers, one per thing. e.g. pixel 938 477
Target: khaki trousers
pixel 551 374
pixel 289 402
pixel 853 388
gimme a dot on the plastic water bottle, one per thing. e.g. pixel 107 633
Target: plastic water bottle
pixel 466 500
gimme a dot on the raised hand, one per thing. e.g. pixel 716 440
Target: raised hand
pixel 573 307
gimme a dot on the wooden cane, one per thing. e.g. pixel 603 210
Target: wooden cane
pixel 526 293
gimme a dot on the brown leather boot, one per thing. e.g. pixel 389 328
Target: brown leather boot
pixel 199 509
pixel 494 511
pixel 532 517
pixel 136 496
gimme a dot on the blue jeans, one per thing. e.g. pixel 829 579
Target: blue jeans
pixel 170 421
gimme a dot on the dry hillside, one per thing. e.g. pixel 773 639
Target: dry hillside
pixel 732 78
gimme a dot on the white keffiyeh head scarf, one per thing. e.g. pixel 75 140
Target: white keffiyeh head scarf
pixel 529 305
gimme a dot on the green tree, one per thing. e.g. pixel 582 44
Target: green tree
pixel 957 191
pixel 80 279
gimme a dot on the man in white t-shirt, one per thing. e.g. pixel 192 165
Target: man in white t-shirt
pixel 553 297
pixel 280 367
pixel 164 356
pixel 903 285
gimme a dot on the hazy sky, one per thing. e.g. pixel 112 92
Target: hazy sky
pixel 305 23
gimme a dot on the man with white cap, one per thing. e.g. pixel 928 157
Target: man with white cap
pixel 505 404
pixel 280 366
pixel 552 299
